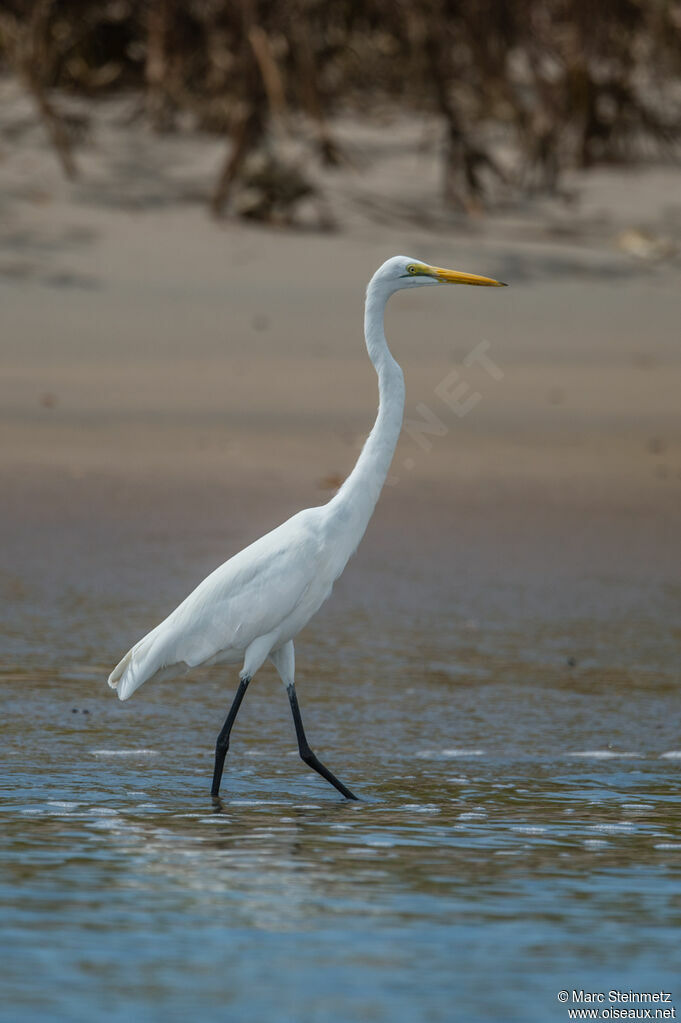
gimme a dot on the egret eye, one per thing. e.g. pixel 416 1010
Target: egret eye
pixel 411 269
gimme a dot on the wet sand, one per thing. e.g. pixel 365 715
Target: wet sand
pixel 170 389
pixel 146 347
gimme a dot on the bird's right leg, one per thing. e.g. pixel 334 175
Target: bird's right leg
pixel 306 753
pixel 222 744
pixel 284 661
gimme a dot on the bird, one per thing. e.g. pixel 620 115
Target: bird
pixel 253 606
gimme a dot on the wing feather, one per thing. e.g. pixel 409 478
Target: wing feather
pixel 246 597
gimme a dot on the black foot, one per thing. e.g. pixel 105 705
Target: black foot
pixel 222 744
pixel 306 753
pixel 312 761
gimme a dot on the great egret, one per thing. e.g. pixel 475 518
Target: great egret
pixel 253 606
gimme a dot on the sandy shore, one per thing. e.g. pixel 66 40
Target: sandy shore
pixel 159 367
pixel 497 671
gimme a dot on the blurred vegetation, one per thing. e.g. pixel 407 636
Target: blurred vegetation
pixel 524 88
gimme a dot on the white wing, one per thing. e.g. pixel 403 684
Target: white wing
pixel 245 598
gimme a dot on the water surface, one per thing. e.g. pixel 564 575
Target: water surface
pixel 518 831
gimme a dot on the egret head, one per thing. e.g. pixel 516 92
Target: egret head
pixel 403 272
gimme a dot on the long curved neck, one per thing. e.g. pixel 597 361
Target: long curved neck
pixel 354 503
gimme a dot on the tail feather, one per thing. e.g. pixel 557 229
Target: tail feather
pixel 139 664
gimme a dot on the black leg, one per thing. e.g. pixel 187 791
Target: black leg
pixel 304 749
pixel 222 745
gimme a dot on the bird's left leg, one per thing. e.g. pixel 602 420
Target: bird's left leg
pixel 255 656
pixel 222 744
pixel 284 661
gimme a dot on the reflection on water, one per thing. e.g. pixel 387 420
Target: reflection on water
pixel 515 837
pixel 519 829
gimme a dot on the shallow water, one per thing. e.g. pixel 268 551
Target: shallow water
pixel 518 831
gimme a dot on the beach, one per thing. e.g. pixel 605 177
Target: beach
pixel 504 643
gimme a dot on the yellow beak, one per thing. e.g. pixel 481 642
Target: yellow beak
pixel 457 277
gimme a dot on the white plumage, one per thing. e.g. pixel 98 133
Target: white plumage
pixel 266 591
pixel 252 606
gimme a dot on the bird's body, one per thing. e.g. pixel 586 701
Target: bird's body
pixel 248 607
pixel 252 606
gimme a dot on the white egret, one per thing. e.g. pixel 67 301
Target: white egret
pixel 253 606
